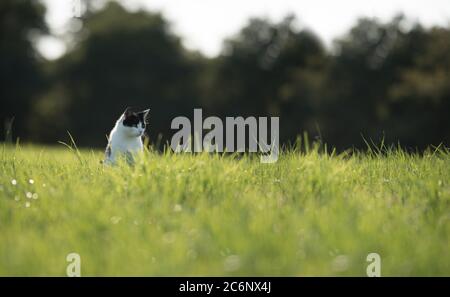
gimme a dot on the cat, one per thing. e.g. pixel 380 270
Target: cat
pixel 125 138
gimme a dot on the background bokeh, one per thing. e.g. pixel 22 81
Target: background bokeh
pixel 380 80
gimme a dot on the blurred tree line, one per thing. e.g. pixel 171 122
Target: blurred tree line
pixel 389 80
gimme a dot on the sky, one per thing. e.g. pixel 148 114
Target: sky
pixel 204 24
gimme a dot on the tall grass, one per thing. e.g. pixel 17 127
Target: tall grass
pixel 311 213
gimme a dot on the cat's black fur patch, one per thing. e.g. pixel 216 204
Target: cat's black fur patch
pixel 132 119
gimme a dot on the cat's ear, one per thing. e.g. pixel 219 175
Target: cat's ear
pixel 144 114
pixel 127 112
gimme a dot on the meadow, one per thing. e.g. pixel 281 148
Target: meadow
pixel 311 213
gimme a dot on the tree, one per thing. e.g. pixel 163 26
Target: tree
pixel 120 59
pixel 21 22
pixel 421 98
pixel 270 69
pixel 388 82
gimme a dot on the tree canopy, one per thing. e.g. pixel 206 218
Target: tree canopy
pixel 381 79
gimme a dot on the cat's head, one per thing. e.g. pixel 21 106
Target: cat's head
pixel 134 123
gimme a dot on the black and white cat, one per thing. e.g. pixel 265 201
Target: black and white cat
pixel 125 138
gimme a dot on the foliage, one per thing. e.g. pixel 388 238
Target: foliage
pixel 21 77
pixel 121 59
pixel 385 80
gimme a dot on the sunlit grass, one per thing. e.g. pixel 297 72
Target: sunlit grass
pixel 307 214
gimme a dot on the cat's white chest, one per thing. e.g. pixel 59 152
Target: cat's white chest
pixel 121 146
pixel 128 145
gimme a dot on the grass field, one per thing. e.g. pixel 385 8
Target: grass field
pixel 307 214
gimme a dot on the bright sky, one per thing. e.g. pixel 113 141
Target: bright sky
pixel 203 24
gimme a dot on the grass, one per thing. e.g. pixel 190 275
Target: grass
pixel 307 214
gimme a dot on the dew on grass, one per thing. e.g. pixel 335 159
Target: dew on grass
pixel 192 254
pixel 31 181
pixel 27 204
pixel 340 263
pixel 35 196
pixel 169 237
pixel 115 219
pixel 14 182
pixel 443 219
pixel 193 232
pixel 29 195
pixel 232 263
pixel 301 254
